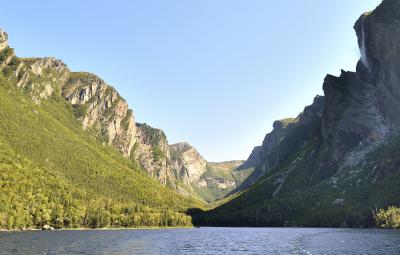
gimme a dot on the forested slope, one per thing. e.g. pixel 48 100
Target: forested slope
pixel 54 172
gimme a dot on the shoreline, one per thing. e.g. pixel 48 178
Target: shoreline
pixel 171 228
pixel 92 229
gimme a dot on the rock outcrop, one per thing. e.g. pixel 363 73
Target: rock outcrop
pixel 253 160
pixel 338 160
pixel 104 113
pixel 208 180
pixel 99 107
pixel 287 137
pixel 3 40
pixel 188 163
pixel 39 77
pixel 153 152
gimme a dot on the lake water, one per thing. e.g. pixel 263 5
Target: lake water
pixel 204 241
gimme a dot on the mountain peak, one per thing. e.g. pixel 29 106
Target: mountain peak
pixel 182 146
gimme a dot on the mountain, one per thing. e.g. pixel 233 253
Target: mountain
pixel 338 160
pixel 73 133
pixel 209 181
pixel 66 158
pixel 102 111
pixel 287 137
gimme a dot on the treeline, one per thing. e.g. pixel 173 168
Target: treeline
pixel 52 172
pixel 31 198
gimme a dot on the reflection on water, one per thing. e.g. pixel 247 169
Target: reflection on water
pixel 204 241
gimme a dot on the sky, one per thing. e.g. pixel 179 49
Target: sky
pixel 213 73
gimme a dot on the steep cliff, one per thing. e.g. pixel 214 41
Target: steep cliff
pixel 100 108
pixel 56 165
pixel 287 137
pixel 153 152
pixel 188 163
pixel 336 162
pixel 97 106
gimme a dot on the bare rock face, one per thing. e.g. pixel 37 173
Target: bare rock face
pixel 3 40
pixel 352 122
pixel 188 163
pixel 340 157
pixel 363 108
pixel 99 106
pixel 96 105
pixel 153 153
pixel 209 181
pixel 38 77
pixel 378 34
pixel 103 112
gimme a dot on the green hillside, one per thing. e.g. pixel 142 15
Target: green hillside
pixel 53 172
pixel 347 200
pixel 338 164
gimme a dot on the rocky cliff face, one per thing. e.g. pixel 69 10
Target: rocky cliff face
pixel 105 114
pixel 253 160
pixel 39 77
pixel 97 105
pixel 3 40
pixel 153 153
pixel 336 161
pixel 100 108
pixel 378 34
pixel 208 180
pixel 360 110
pixel 287 137
pixel 188 163
pixel 363 108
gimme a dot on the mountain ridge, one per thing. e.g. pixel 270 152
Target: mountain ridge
pixel 102 112
pixel 337 163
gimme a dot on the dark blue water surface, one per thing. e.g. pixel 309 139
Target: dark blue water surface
pixel 204 241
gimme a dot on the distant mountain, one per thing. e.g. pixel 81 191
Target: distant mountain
pixel 338 160
pixel 71 153
pixel 209 181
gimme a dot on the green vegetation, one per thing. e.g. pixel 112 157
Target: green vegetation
pixel 154 135
pixel 287 121
pixel 126 121
pixel 389 218
pixel 298 195
pixel 210 194
pixel 79 110
pixel 217 176
pixel 215 170
pixel 240 175
pixel 6 53
pixel 53 172
pixel 158 154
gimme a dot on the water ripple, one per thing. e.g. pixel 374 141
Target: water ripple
pixel 213 241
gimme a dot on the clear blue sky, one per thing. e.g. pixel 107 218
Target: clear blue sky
pixel 214 73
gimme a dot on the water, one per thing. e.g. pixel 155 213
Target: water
pixel 204 241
